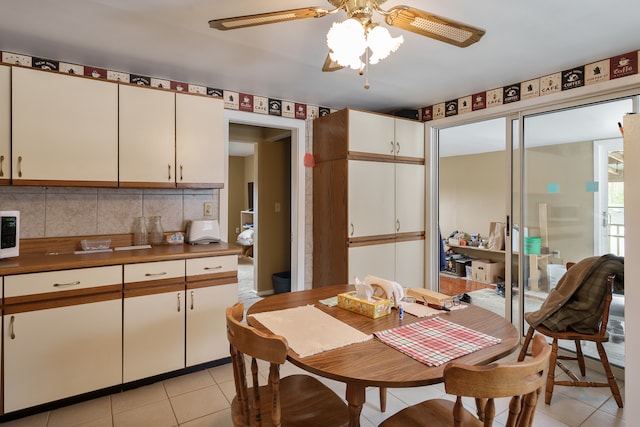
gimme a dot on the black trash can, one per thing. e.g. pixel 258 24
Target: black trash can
pixel 282 282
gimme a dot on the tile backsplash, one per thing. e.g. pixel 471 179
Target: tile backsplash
pixel 80 211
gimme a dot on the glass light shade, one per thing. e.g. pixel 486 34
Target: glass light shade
pixel 347 42
pixel 382 44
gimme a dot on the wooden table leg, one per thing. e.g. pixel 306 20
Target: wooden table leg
pixel 356 396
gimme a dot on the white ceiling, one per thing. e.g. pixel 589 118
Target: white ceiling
pixel 170 39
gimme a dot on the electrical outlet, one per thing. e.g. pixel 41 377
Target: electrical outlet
pixel 208 208
pixel 277 207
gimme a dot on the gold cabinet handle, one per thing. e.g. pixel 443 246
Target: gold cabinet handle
pixel 353 230
pixel 11 331
pixel 397 148
pixel 162 273
pixel 217 267
pixel 60 285
pixel 169 167
pixel 179 302
pixel 19 166
pixel 181 173
pixel 393 147
pixel 1 160
pixel 397 225
pixel 192 298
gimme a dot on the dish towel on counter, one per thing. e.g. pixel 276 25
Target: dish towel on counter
pixel 309 330
pixel 435 341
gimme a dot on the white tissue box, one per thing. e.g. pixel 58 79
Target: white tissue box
pixel 377 307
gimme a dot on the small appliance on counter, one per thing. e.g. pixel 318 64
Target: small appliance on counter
pixel 203 231
pixel 9 234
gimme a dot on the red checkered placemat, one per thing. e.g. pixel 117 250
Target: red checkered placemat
pixel 435 341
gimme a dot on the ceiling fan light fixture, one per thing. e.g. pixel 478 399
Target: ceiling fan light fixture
pixel 347 43
pixel 382 44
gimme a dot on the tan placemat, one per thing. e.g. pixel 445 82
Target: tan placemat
pixel 309 330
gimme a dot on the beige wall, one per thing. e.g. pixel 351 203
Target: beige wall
pixel 473 194
pixel 78 211
pixel 274 241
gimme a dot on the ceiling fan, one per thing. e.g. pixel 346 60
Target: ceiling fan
pixel 404 17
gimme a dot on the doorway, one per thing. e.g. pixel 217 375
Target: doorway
pixel 296 199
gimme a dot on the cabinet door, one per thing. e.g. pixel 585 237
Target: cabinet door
pixel 147 137
pixel 65 128
pixel 409 137
pixel 154 334
pixel 371 204
pixel 410 263
pixel 371 133
pixel 410 197
pixel 200 150
pixel 376 260
pixel 206 322
pixel 5 124
pixel 61 352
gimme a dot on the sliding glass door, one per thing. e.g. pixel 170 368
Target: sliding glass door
pixel 572 200
pixel 474 170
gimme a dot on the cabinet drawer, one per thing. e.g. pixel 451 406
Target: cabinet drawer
pixel 210 265
pixel 65 280
pixel 149 271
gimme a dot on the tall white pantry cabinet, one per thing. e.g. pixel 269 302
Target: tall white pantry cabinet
pixel 369 182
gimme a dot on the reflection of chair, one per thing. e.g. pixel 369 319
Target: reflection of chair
pixel 295 400
pixel 522 381
pixel 598 338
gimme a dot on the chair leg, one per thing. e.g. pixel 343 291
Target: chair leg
pixel 551 373
pixel 580 358
pixel 525 345
pixel 383 399
pixel 613 385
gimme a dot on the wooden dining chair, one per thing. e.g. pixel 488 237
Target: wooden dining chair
pixel 522 381
pixel 295 400
pixel 598 338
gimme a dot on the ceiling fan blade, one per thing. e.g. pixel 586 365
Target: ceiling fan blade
pixel 331 65
pixel 436 27
pixel 267 18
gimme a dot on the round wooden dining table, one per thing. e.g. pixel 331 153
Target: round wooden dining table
pixel 373 363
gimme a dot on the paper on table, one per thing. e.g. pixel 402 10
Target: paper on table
pixel 309 330
pixel 419 310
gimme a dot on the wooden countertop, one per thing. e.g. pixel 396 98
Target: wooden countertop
pixel 37 262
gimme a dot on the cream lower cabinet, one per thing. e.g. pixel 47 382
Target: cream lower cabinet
pixel 154 319
pixel 212 286
pixel 65 344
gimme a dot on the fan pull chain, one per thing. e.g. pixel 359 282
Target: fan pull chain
pixel 366 69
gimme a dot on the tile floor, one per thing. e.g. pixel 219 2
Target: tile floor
pixel 203 399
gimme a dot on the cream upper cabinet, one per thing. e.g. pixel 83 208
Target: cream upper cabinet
pixel 371 199
pixel 5 124
pixel 147 137
pixel 371 133
pixel 385 135
pixel 409 138
pixel 64 129
pixel 200 150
